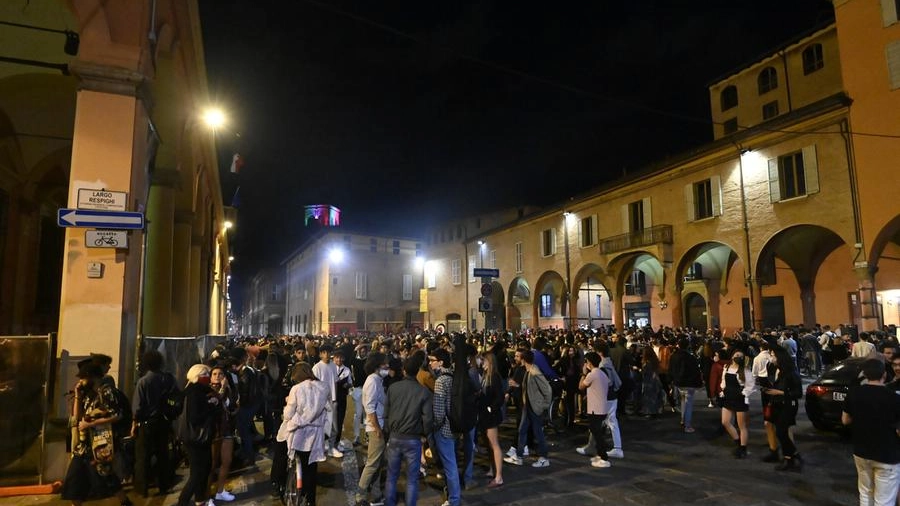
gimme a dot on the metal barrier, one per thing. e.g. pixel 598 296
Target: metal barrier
pixel 180 353
pixel 26 367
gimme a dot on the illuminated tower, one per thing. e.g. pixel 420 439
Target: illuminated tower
pixel 323 214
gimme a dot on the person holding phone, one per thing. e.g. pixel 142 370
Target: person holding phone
pixel 784 393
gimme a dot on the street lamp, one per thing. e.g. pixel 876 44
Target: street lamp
pixel 214 118
pixel 336 255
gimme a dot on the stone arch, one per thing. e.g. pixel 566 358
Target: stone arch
pixel 549 305
pixel 591 297
pixel 640 285
pixel 707 270
pixel 885 273
pixel 518 299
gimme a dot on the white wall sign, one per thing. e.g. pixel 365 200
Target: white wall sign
pixel 102 199
pixel 106 239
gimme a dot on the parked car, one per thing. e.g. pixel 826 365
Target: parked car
pixel 825 396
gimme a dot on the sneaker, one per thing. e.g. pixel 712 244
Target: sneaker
pixel 515 460
pixel 511 452
pixel 377 502
pixel 689 430
pixel 225 496
pixel 210 503
pixel 525 451
pixel 581 450
pixel 446 503
pixel 335 453
pixel 710 405
pixel 616 453
pixel 599 462
pixel 541 462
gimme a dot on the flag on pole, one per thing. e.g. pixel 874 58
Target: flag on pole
pixel 237 161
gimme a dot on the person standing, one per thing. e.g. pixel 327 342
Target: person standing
pixel 737 385
pixel 223 444
pixel 783 394
pixel 760 370
pixel 536 399
pixel 596 385
pixel 491 415
pixel 445 440
pixel 150 428
pixel 409 418
pixel 343 383
pixel 358 373
pixel 684 369
pixel 373 397
pixel 326 372
pixel 200 412
pixel 306 417
pixel 873 412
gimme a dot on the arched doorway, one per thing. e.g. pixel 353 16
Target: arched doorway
pixel 695 313
pixel 519 309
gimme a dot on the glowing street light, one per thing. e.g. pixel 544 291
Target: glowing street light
pixel 214 117
pixel 336 255
pixel 228 224
pixel 231 259
pixel 420 262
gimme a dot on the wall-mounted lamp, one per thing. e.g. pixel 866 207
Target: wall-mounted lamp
pixel 481 243
pixel 662 304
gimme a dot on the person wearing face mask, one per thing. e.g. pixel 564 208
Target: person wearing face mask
pixel 201 405
pixel 786 388
pixel 376 368
pixel 737 384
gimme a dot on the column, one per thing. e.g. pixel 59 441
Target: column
pixel 618 311
pixel 808 305
pixel 676 308
pixel 160 243
pixel 181 273
pixel 868 300
pixel 756 307
pixel 194 287
pixel 573 311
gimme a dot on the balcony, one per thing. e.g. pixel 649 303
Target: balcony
pixel 660 234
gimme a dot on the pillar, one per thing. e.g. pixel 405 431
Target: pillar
pixel 808 305
pixel 756 307
pixel 676 308
pixel 195 309
pixel 160 243
pixel 618 311
pixel 868 299
pixel 181 273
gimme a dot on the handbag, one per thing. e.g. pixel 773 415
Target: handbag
pixel 189 433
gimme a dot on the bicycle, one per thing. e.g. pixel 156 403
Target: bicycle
pixel 293 485
pixel 106 241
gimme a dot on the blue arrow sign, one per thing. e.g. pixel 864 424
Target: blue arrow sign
pixel 90 218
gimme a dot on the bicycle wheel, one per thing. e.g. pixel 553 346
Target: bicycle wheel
pixel 292 495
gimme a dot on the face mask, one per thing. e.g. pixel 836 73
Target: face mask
pixel 739 361
pixel 203 380
pixel 383 372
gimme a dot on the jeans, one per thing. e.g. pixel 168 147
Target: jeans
pixel 468 444
pixel 408 450
pixel 877 482
pixel 447 451
pixel 245 431
pixel 358 413
pixel 371 474
pixel 536 423
pixel 613 422
pixel 197 485
pixel 595 424
pixel 686 394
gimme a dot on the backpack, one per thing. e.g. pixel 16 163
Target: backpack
pixel 122 428
pixel 172 400
pixel 463 398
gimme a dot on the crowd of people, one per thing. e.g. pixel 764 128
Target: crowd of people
pixel 431 398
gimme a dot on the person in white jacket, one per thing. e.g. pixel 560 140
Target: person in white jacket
pixel 304 422
pixel 737 384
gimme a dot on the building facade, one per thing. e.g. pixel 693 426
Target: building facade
pixel 263 308
pixel 762 227
pixel 341 281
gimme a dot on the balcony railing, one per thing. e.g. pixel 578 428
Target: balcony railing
pixel 648 236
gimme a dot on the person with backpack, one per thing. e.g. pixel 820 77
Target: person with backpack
pixel 445 441
pixel 596 385
pixel 536 399
pixel 151 425
pixel 684 369
pixel 612 402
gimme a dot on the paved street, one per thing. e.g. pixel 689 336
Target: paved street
pixel 662 466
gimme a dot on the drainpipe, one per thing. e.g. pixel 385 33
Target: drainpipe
pixel 746 227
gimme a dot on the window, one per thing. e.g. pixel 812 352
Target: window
pixel 793 175
pixel 431 279
pixel 703 199
pixel 729 97
pixel 694 272
pixel 599 304
pixel 770 110
pixel 893 62
pixel 418 250
pixel 492 259
pixel 455 275
pixel 548 242
pixel 274 292
pixel 812 59
pixel 588 231
pixel 636 216
pixel 362 285
pixel 767 80
pixel 396 247
pixel 519 257
pixel 373 245
pixel 407 287
pixel 546 305
pixel 471 268
pixel 636 284
pixel 889 10
pixel 730 126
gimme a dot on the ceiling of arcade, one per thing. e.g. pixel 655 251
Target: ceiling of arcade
pixel 803 248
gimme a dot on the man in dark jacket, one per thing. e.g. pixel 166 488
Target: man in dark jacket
pixel 149 427
pixel 408 418
pixel 684 369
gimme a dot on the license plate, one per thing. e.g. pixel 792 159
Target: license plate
pixel 838 396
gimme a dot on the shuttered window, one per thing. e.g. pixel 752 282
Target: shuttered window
pixel 793 175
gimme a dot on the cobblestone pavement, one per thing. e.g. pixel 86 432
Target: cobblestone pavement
pixel 662 466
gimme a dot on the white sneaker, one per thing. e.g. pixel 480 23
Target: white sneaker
pixel 512 459
pixel 446 503
pixel 511 452
pixel 210 503
pixel 581 450
pixel 616 453
pixel 710 405
pixel 541 462
pixel 525 451
pixel 225 496
pixel 335 453
pixel 599 462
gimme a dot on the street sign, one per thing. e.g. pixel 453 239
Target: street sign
pixel 486 273
pixel 486 289
pixel 89 218
pixel 106 239
pixel 101 199
pixel 485 304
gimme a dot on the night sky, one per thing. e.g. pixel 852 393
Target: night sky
pixel 405 112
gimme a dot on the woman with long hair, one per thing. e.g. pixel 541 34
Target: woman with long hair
pixel 652 388
pixel 713 383
pixel 491 414
pixel 201 405
pixel 784 393
pixel 737 384
pixel 223 444
pixel 570 364
pixel 305 417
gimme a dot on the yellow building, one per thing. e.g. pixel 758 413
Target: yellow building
pixel 761 227
pixel 107 100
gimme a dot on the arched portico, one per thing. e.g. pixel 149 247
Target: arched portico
pixel 518 309
pixel 550 307
pixel 591 299
pixel 708 273
pixel 640 279
pixel 883 268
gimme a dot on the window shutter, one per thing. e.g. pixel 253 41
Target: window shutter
pixel 552 241
pixel 625 219
pixel 407 287
pixel 715 189
pixel 648 216
pixel 893 63
pixel 888 12
pixel 594 230
pixel 774 187
pixel 689 201
pixel 431 278
pixel 811 169
pixel 361 285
